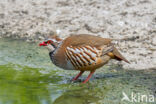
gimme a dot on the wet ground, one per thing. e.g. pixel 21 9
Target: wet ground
pixel 28 77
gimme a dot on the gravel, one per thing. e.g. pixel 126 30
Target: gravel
pixel 132 23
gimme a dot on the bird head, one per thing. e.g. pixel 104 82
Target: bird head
pixel 51 43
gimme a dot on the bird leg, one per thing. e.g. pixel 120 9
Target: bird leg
pixel 78 75
pixel 89 76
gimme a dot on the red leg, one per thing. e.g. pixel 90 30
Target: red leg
pixel 89 76
pixel 81 72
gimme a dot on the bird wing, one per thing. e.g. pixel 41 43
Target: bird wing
pixel 85 39
pixel 101 45
pixel 84 50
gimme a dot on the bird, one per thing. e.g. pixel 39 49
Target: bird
pixel 82 52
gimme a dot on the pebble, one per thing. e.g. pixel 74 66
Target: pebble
pixel 122 20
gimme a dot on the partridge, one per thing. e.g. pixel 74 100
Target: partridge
pixel 81 52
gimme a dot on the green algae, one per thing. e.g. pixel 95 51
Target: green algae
pixel 27 76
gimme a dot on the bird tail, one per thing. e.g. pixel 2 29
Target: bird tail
pixel 118 55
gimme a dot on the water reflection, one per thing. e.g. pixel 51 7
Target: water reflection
pixel 27 86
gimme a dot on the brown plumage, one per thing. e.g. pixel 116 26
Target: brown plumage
pixel 82 52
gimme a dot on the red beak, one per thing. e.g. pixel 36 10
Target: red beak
pixel 43 44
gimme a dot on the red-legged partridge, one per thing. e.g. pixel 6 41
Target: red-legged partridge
pixel 81 52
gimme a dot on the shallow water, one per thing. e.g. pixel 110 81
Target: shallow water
pixel 27 76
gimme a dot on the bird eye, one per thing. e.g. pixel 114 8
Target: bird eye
pixel 48 41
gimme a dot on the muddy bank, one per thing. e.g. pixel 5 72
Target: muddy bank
pixel 131 23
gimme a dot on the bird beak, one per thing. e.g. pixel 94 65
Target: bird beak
pixel 43 44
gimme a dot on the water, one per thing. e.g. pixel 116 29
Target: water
pixel 27 76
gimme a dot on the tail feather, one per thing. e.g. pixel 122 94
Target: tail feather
pixel 118 56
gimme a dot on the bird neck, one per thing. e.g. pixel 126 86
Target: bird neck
pixel 51 54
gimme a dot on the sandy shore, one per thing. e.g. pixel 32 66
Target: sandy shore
pixel 131 22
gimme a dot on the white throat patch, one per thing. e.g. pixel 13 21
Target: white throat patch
pixel 50 48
